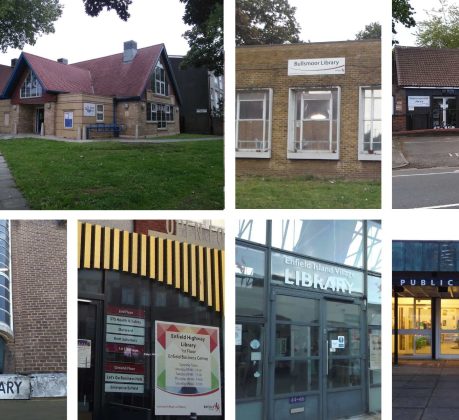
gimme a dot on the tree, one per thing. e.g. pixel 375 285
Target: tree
pixel 94 7
pixel 441 29
pixel 22 22
pixel 402 13
pixel 265 22
pixel 371 31
pixel 205 38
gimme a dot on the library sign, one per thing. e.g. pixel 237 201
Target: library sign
pixel 316 66
pixel 304 274
pixel 187 374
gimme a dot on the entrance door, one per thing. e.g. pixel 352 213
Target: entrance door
pixel 317 357
pixel 444 112
pixel 344 364
pixel 39 119
pixel 449 329
pixel 89 359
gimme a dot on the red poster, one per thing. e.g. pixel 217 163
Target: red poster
pixel 123 311
pixel 125 368
pixel 129 350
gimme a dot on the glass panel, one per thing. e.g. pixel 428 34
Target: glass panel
pixel 343 373
pixel 343 314
pixel 250 135
pixel 250 110
pixel 316 136
pixel 250 268
pixel 90 281
pixel 339 241
pixel 296 376
pixel 406 344
pixel 249 362
pixel 374 341
pixel 343 341
pixel 291 308
pixel 374 314
pixel 414 314
pixel 316 109
pixel 374 246
pixel 450 314
pixel 253 230
pixel 449 344
pixel 297 341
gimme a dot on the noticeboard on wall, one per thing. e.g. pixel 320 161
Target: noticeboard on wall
pixel 187 370
pixel 89 110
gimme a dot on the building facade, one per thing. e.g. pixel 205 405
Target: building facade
pixel 309 109
pixel 425 285
pixel 202 106
pixel 33 313
pixel 133 94
pixel 425 88
pixel 150 324
pixel 308 319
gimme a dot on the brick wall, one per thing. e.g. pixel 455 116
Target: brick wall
pixel 399 116
pixel 143 226
pixel 39 273
pixel 266 67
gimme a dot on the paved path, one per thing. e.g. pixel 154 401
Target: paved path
pixel 10 197
pixel 426 390
pixel 35 409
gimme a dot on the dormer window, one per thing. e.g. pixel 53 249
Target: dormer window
pixel 160 83
pixel 31 87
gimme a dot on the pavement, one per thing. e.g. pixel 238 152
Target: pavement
pixel 425 172
pixel 10 196
pixel 371 416
pixel 426 390
pixel 38 409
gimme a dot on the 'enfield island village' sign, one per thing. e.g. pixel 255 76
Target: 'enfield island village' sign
pixel 187 370
pixel 316 66
pixel 308 274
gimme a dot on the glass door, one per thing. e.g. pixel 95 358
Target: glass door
pixel 449 328
pixel 344 361
pixel 89 359
pixel 414 327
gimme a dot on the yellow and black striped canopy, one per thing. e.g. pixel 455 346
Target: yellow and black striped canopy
pixel 194 270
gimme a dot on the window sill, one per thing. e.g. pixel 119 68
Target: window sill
pixel 254 155
pixel 367 156
pixel 313 155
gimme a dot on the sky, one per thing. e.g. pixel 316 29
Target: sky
pixel 323 20
pixel 80 37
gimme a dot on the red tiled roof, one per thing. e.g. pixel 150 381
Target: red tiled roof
pixel 112 77
pixel 5 73
pixel 427 67
pixel 60 77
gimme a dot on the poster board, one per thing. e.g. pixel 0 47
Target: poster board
pixel 187 369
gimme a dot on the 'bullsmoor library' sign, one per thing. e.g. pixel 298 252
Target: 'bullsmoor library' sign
pixel 316 66
pixel 307 274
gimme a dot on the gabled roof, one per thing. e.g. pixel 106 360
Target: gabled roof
pixel 5 73
pixel 427 67
pixel 105 76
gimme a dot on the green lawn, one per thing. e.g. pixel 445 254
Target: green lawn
pixel 107 175
pixel 300 193
pixel 186 136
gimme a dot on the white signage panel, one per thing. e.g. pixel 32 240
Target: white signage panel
pixel 187 374
pixel 124 320
pixel 418 102
pixel 126 388
pixel 84 353
pixel 124 329
pixel 316 66
pixel 89 110
pixel 125 339
pixel 238 334
pixel 124 378
pixel 14 387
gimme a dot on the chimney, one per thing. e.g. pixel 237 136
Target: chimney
pixel 130 51
pixel 13 62
pixel 62 60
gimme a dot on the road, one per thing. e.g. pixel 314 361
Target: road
pixel 432 180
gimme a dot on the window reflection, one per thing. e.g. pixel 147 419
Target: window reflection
pixel 339 241
pixel 252 230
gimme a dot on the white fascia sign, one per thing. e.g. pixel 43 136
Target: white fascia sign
pixel 418 102
pixel 316 66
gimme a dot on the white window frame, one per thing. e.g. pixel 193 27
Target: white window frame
pixel 100 112
pixel 362 155
pixel 39 88
pixel 266 136
pixel 162 82
pixel 311 154
pixel 70 113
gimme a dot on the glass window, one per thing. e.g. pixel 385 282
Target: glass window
pixel 253 230
pixel 90 281
pixel 449 314
pixel 249 361
pixel 374 246
pixel 414 314
pixel 370 123
pixel 339 241
pixel 343 314
pixel 31 87
pixel 374 342
pixel 253 123
pixel 296 341
pixel 250 271
pixel 99 113
pixel 314 124
pixel 290 308
pixel 160 85
pixel 343 373
pixel 160 114
pixel 292 376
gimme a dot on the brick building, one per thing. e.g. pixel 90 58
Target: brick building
pixel 309 109
pixel 425 88
pixel 33 308
pixel 134 91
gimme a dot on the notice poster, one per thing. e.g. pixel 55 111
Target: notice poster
pixel 84 353
pixel 187 370
pixel 375 351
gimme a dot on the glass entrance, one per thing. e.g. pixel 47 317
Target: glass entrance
pixel 89 363
pixel 444 112
pixel 449 327
pixel 39 119
pixel 414 327
pixel 344 360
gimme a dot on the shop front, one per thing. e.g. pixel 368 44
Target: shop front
pixel 425 300
pixel 150 342
pixel 307 320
